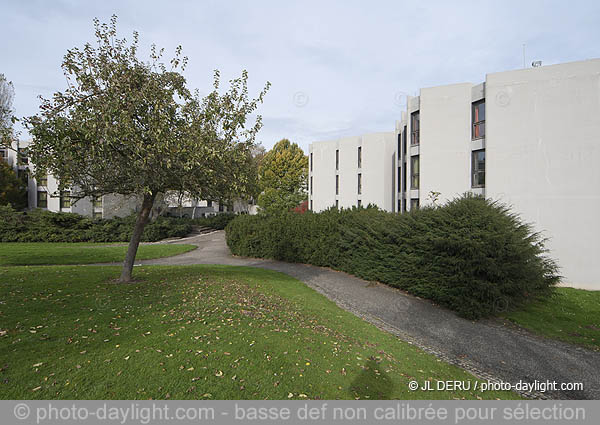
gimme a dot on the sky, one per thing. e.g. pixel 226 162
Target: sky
pixel 337 68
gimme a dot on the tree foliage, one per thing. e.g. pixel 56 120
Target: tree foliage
pixel 130 127
pixel 283 177
pixel 13 190
pixel 7 119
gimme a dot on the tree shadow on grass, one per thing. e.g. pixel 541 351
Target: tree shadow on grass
pixel 372 383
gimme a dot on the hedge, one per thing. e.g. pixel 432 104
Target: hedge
pixel 471 255
pixel 46 226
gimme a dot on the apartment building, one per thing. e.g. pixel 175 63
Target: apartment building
pixel 529 138
pixel 44 194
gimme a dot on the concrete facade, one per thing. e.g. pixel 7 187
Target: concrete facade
pixel 529 138
pixel 364 166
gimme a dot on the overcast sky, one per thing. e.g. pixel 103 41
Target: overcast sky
pixel 337 68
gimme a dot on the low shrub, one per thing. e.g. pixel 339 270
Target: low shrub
pixel 46 226
pixel 217 222
pixel 471 255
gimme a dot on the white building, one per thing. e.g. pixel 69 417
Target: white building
pixel 44 194
pixel 529 138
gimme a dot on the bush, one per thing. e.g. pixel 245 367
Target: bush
pixel 46 226
pixel 217 222
pixel 471 255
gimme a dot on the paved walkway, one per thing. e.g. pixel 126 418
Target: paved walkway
pixel 488 348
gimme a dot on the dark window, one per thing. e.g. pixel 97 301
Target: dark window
pixel 221 207
pixel 337 159
pixel 337 185
pixel 399 205
pixel 404 141
pixel 399 146
pixel 337 203
pixel 42 199
pixel 3 154
pixel 311 184
pixel 399 177
pixel 359 203
pixel 414 128
pixel 414 204
pixel 403 205
pixel 23 175
pixel 359 157
pixel 22 156
pixel 404 178
pixel 478 169
pixel 478 116
pixel 414 172
pixel 311 206
pixel 65 199
pixel 209 203
pixel 43 181
pixel 359 184
pixel 311 161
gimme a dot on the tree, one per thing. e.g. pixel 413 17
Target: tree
pixel 129 127
pixel 7 94
pixel 13 190
pixel 283 177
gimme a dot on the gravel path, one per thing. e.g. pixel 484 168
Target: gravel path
pixel 489 349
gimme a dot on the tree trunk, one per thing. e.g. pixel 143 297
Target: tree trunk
pixel 140 223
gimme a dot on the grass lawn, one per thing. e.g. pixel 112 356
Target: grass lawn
pixel 36 253
pixel 196 332
pixel 571 315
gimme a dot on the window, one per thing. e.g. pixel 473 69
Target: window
pixel 209 203
pixel 414 204
pixel 337 159
pixel 414 128
pixel 399 146
pixel 404 205
pixel 337 204
pixel 359 203
pixel 311 184
pixel 311 206
pixel 478 169
pixel 337 185
pixel 359 156
pixel 97 215
pixel 221 207
pixel 23 175
pixel 399 205
pixel 311 161
pixel 414 172
pixel 478 117
pixel 404 178
pixel 22 156
pixel 65 199
pixel 42 199
pixel 43 181
pixel 404 141
pixel 399 177
pixel 359 183
pixel 97 202
pixel 4 154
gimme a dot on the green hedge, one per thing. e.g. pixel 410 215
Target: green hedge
pixel 46 226
pixel 471 255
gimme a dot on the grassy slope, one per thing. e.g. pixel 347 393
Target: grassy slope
pixel 36 253
pixel 196 332
pixel 571 315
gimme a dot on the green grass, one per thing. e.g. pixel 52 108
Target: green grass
pixel 36 253
pixel 196 332
pixel 571 315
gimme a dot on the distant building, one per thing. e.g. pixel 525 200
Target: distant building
pixel 529 138
pixel 45 194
